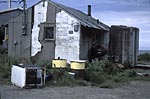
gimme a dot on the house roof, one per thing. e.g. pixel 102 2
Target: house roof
pixel 10 10
pixel 82 17
pixel 6 15
pixel 124 27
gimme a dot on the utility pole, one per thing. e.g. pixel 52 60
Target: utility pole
pixel 24 25
pixel 9 4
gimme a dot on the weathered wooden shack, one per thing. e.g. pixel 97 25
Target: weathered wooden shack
pixel 49 30
pixel 124 44
pixel 5 16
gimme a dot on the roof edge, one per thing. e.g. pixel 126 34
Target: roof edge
pixel 9 10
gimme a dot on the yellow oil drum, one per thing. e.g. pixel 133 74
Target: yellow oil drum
pixel 59 63
pixel 78 67
pixel 78 64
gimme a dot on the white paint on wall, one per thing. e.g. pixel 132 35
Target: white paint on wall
pixel 39 17
pixel 67 45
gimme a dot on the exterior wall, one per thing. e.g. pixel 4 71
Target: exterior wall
pixel 32 45
pixel 47 46
pixel 85 43
pixel 136 53
pixel 106 39
pixel 124 44
pixel 134 45
pixel 5 16
pixel 18 44
pixel 67 44
pixel 40 12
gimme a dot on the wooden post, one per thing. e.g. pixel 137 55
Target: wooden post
pixel 9 4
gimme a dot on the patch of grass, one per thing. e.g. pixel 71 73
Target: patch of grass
pixel 62 82
pixel 107 75
pixel 100 73
pixel 144 57
pixel 44 63
pixel 5 68
pixel 65 81
pixel 5 71
pixel 5 82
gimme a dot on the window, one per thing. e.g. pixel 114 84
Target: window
pixel 49 33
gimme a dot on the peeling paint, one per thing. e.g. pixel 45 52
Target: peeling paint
pixel 39 17
pixel 67 45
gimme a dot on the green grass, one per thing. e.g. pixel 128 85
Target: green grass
pixel 107 75
pixel 65 80
pixel 102 73
pixel 5 68
pixel 144 57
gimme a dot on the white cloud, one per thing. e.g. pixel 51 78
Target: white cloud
pixel 138 19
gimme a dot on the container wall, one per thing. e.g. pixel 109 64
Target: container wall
pixel 124 44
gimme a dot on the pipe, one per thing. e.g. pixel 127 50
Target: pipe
pixel 89 10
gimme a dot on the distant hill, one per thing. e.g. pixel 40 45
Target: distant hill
pixel 143 51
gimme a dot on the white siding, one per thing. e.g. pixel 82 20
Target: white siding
pixel 67 45
pixel 39 17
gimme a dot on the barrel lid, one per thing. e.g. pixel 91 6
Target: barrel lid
pixel 80 61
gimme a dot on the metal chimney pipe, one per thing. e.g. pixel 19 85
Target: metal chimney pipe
pixel 89 10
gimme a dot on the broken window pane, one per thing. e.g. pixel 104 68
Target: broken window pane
pixel 49 32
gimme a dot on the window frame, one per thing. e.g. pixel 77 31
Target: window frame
pixel 42 31
pixel 45 33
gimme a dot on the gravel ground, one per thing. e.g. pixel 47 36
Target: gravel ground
pixel 132 90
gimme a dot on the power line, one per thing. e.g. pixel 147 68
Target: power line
pixel 8 1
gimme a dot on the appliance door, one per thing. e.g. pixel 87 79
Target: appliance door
pixel 31 76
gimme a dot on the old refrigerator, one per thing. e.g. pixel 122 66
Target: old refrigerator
pixel 28 76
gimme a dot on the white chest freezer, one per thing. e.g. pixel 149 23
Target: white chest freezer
pixel 28 76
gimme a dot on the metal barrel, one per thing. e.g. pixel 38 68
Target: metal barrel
pixel 78 67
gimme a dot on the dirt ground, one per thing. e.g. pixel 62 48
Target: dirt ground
pixel 132 90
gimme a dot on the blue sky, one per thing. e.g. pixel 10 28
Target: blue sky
pixel 112 12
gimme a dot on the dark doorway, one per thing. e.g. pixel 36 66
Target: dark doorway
pixel 2 34
pixel 92 43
